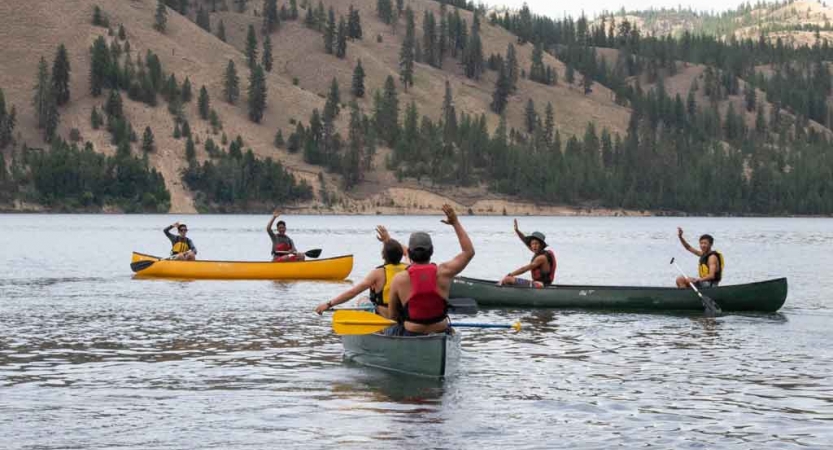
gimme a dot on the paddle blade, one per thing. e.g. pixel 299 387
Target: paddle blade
pixel 711 308
pixel 140 265
pixel 462 306
pixel 672 261
pixel 359 322
pixel 314 253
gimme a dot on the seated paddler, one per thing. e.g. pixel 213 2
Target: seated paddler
pixel 182 248
pixel 710 265
pixel 283 248
pixel 418 296
pixel 378 281
pixel 542 266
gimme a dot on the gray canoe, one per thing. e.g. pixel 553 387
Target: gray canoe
pixel 434 355
pixel 763 296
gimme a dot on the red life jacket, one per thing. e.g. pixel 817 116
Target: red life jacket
pixel 542 276
pixel 281 247
pixel 425 305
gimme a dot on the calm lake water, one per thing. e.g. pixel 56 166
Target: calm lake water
pixel 91 358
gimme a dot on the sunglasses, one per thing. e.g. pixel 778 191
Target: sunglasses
pixel 183 229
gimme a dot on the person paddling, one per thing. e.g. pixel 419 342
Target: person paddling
pixel 182 248
pixel 378 281
pixel 418 295
pixel 542 265
pixel 283 249
pixel 710 267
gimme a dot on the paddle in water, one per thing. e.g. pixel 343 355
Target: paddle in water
pixel 711 308
pixel 346 322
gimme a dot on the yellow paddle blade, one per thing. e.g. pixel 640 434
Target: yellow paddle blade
pixel 359 322
pixel 516 326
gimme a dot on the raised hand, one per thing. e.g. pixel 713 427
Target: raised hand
pixel 276 213
pixel 679 232
pixel 451 216
pixel 382 233
pixel 516 225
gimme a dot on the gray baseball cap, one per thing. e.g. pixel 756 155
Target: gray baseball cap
pixel 420 240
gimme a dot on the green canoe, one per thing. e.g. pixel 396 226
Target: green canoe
pixel 433 355
pixel 763 296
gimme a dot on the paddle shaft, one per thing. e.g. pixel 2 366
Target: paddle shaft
pixel 710 306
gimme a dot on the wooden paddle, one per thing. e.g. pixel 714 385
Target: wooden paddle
pixel 314 253
pixel 711 308
pixel 142 265
pixel 347 322
pixel 456 306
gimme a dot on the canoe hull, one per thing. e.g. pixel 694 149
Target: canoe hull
pixel 765 296
pixel 337 268
pixel 433 356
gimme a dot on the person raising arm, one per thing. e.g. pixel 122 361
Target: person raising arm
pixel 418 296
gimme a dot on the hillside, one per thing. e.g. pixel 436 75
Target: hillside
pixel 795 22
pixel 592 121
pixel 187 50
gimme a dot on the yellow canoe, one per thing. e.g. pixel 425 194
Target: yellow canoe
pixel 337 268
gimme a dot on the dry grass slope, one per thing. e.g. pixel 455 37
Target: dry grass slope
pixel 185 49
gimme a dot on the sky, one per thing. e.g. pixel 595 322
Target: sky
pixel 557 9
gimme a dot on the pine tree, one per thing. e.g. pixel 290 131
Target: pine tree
pixel 231 84
pixel 309 20
pixel 358 80
pixel 332 108
pixel 278 142
pixel 387 113
pixel 400 4
pixel 406 53
pixel 429 38
pixel 537 72
pixel 267 54
pixel 251 48
pixel 161 17
pixel 549 123
pixel 473 54
pixel 186 94
pixel 95 118
pixel 203 20
pixel 530 116
pixel 449 115
pixel 750 97
pixel 257 94
pixel 99 66
pixel 354 24
pixel 98 17
pixel 221 31
pixel 330 32
pixel 384 8
pixel 183 7
pixel 570 76
pixel 341 39
pixel 353 167
pixel 43 94
pixel 147 140
pixel 442 39
pixel 512 67
pixel 271 19
pixel 587 83
pixel 204 103
pixel 190 150
pixel 320 16
pixel 186 129
pixel 177 130
pixel 293 9
pixel 502 88
pixel 60 76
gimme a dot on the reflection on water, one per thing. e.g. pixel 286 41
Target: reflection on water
pixel 91 358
